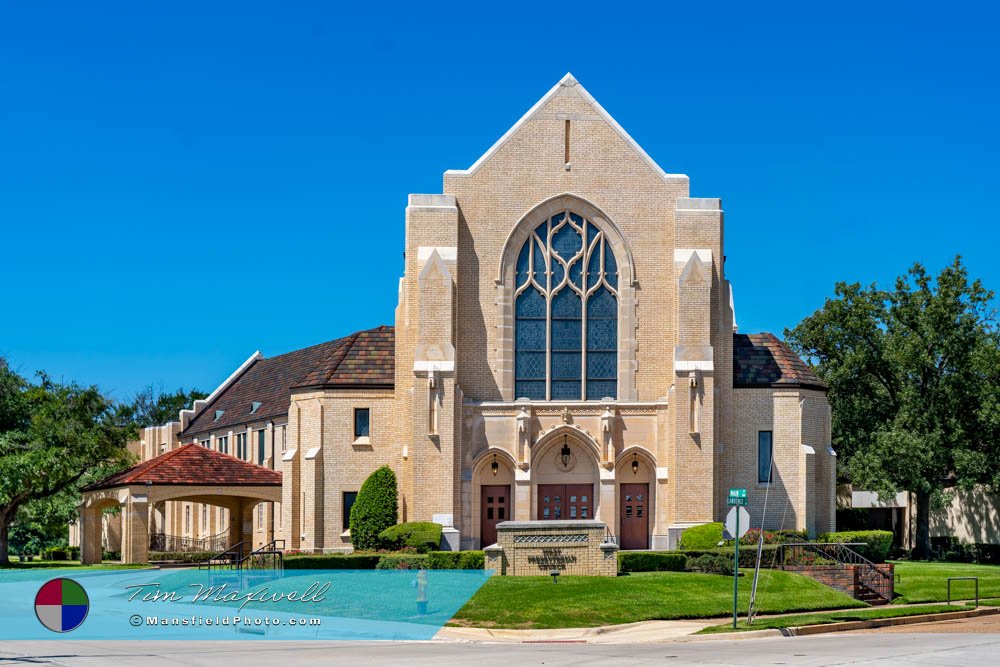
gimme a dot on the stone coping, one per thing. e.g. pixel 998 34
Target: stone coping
pixel 559 523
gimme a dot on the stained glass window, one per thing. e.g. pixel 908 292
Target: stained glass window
pixel 566 313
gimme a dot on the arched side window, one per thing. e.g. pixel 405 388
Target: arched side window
pixel 566 313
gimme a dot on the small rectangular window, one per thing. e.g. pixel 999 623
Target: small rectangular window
pixel 223 441
pixel 349 498
pixel 260 447
pixel 284 436
pixel 765 454
pixel 187 518
pixel 361 422
pixel 206 443
pixel 260 515
pixel 241 446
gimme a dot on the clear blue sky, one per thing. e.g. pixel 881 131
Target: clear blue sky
pixel 182 184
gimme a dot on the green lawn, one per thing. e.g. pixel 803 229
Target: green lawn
pixel 796 620
pixel 535 602
pixel 921 581
pixel 34 564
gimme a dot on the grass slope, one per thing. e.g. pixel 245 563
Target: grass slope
pixel 928 582
pixel 535 602
pixel 797 620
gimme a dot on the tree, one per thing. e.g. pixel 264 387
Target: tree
pixel 374 510
pixel 914 384
pixel 152 407
pixel 53 439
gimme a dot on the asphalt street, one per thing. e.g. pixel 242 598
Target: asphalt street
pixel 874 648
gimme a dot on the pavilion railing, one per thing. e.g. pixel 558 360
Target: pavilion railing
pixel 167 542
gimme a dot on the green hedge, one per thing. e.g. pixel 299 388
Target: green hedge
pixel 876 542
pixel 402 562
pixel 183 556
pixel 332 562
pixel 374 510
pixel 651 561
pixel 455 560
pixel 712 563
pixel 748 555
pixel 705 536
pixel 423 536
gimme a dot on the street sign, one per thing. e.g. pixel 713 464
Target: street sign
pixel 737 497
pixel 738 527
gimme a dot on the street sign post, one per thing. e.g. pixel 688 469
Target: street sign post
pixel 737 499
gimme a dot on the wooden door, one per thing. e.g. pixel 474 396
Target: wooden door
pixel 634 515
pixel 565 501
pixel 494 508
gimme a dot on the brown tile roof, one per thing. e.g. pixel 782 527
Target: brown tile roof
pixel 761 360
pixel 364 358
pixel 192 465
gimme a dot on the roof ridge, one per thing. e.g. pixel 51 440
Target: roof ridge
pixel 343 351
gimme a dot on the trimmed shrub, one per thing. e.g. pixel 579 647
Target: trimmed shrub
pixel 402 562
pixel 423 536
pixel 472 560
pixel 651 561
pixel 773 536
pixel 57 553
pixel 374 509
pixel 748 555
pixel 712 564
pixel 949 548
pixel 455 560
pixel 705 536
pixel 332 562
pixel 876 542
pixel 183 556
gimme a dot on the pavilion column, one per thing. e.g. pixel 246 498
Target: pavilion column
pixel 135 529
pixel 90 535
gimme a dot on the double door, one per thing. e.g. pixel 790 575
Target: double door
pixel 565 501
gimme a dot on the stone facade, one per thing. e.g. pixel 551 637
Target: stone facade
pixel 679 424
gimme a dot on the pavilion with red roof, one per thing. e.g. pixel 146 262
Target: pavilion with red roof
pixel 189 473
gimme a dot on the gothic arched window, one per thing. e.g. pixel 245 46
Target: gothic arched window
pixel 566 313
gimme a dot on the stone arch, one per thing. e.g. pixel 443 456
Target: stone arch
pixel 627 284
pixel 482 476
pixel 585 467
pixel 646 474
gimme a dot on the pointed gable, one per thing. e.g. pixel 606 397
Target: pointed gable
pixel 567 100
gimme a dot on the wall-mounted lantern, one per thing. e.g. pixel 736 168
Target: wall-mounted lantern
pixel 564 453
pixel 494 466
pixel 635 463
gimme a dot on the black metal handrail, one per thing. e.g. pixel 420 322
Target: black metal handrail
pixel 870 576
pixel 271 556
pixel 229 559
pixel 167 542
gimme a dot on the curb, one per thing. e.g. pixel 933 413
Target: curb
pixel 885 622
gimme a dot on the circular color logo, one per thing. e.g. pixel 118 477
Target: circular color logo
pixel 61 605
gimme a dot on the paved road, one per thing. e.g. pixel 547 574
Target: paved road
pixel 909 649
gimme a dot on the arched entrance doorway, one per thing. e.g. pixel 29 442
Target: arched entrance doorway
pixel 565 477
pixel 493 496
pixel 635 473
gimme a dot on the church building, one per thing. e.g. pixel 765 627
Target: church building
pixel 564 347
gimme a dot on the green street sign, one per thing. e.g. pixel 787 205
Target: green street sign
pixel 737 497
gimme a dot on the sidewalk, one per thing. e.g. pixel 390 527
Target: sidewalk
pixel 643 632
pixel 630 633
